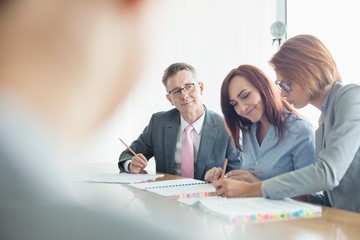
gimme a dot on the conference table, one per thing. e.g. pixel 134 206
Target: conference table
pixel 195 222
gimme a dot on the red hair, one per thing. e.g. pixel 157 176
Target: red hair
pixel 274 106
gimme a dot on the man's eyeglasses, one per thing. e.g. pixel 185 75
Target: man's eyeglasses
pixel 283 85
pixel 188 88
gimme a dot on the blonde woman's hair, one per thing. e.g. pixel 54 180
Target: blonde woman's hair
pixel 305 61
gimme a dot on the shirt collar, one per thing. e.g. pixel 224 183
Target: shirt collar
pixel 198 124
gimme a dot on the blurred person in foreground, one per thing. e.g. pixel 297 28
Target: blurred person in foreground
pixel 65 65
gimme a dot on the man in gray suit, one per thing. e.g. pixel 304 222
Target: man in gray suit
pixel 162 138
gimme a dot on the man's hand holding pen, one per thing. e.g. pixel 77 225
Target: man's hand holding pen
pixel 138 163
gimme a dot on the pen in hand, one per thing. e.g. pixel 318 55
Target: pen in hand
pixel 133 152
pixel 224 168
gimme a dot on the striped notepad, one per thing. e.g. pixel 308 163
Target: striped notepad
pixel 255 209
pixel 178 188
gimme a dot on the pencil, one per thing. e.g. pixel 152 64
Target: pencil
pixel 132 151
pixel 224 168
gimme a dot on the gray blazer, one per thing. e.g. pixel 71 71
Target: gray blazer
pixel 158 140
pixel 337 168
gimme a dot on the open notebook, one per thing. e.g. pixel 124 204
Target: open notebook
pixel 255 209
pixel 178 188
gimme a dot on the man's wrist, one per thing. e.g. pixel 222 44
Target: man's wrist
pixel 127 165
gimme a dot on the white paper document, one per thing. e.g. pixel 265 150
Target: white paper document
pixel 117 177
pixel 178 188
pixel 255 209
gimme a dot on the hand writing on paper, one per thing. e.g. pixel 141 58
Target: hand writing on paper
pixel 138 163
pixel 241 175
pixel 232 188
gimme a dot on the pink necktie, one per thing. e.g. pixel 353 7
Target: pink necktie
pixel 187 154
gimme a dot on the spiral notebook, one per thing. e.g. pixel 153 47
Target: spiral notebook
pixel 178 188
pixel 255 209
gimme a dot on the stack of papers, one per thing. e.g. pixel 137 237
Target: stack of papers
pixel 117 177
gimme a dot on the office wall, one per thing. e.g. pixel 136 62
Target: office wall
pixel 212 35
pixel 335 23
pixel 217 35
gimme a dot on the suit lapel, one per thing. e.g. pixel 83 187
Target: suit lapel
pixel 319 136
pixel 208 137
pixel 170 136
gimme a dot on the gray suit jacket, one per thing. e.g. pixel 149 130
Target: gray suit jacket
pixel 158 140
pixel 337 168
